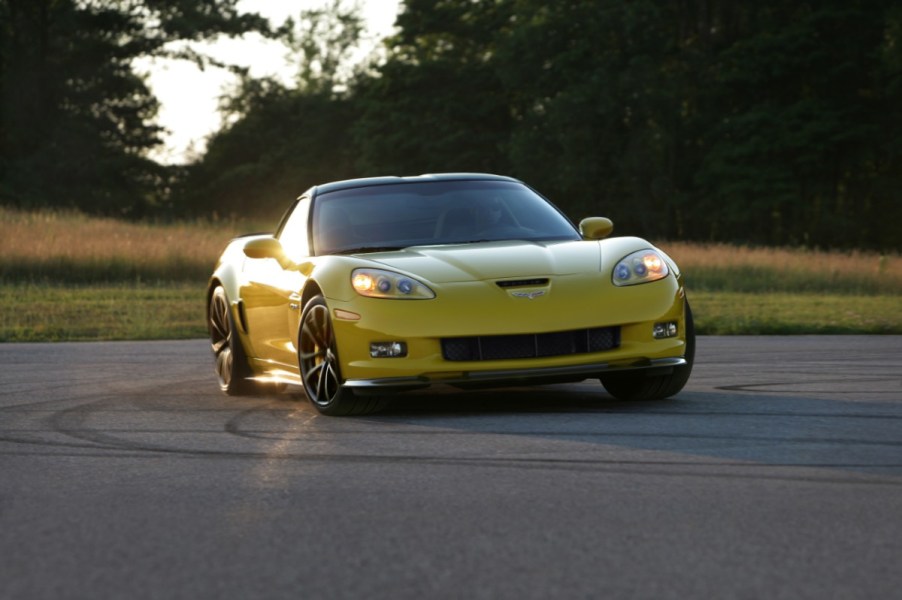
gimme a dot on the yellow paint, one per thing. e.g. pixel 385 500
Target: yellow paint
pixel 579 293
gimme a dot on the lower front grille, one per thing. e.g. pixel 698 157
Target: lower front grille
pixel 533 345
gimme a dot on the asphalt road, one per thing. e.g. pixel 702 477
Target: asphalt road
pixel 777 473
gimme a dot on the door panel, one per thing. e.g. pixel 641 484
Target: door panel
pixel 268 298
pixel 272 295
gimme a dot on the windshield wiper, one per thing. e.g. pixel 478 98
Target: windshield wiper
pixel 367 249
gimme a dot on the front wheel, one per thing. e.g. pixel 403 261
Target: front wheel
pixel 641 386
pixel 320 368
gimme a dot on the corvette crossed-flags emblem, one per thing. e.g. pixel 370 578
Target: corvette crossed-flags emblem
pixel 529 295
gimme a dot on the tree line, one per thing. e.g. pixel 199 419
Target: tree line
pixel 770 122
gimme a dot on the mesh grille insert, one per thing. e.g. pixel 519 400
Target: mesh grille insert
pixel 533 345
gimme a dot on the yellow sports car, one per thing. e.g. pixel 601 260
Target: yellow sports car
pixel 373 286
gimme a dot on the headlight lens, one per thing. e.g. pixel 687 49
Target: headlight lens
pixel 376 283
pixel 640 267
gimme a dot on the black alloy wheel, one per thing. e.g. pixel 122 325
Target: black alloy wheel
pixel 320 368
pixel 230 361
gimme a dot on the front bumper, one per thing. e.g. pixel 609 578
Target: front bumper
pixel 477 379
pixel 480 309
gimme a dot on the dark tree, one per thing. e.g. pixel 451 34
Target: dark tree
pixel 282 140
pixel 76 122
pixel 437 103
pixel 766 122
pixel 803 127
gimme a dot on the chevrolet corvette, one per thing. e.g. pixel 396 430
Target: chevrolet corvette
pixel 370 287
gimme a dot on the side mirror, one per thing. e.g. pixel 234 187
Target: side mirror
pixel 267 247
pixel 596 228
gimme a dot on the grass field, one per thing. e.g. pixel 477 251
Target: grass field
pixel 50 312
pixel 66 276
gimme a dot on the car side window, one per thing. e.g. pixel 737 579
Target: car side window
pixel 294 236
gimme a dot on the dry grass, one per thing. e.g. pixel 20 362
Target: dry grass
pixel 68 247
pixel 720 267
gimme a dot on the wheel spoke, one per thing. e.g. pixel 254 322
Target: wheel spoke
pixel 217 329
pixel 220 325
pixel 319 369
pixel 312 375
pixel 322 394
pixel 316 353
pixel 224 366
pixel 318 329
pixel 330 377
pixel 326 336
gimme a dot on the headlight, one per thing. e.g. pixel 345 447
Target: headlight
pixel 640 267
pixel 376 283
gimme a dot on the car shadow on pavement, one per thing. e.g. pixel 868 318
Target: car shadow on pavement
pixel 736 427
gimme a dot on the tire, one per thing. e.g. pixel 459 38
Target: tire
pixel 642 386
pixel 320 367
pixel 229 358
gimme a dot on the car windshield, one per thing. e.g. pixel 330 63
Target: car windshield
pixel 394 216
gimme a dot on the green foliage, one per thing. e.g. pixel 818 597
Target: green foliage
pixel 592 106
pixel 768 123
pixel 323 41
pixel 76 122
pixel 405 128
pixel 282 140
pixel 438 103
pixel 805 116
pixel 716 120
pixel 284 144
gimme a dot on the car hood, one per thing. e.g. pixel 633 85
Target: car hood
pixel 494 260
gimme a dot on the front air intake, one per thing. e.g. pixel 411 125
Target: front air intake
pixel 533 345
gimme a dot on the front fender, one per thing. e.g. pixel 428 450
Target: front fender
pixel 228 275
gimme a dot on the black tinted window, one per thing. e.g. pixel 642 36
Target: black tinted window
pixel 431 213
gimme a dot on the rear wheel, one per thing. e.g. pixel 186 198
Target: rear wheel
pixel 320 368
pixel 642 386
pixel 229 358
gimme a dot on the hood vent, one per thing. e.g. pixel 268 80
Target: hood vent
pixel 511 283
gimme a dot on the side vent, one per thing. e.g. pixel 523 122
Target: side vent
pixel 242 317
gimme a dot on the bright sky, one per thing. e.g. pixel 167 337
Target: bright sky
pixel 189 96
